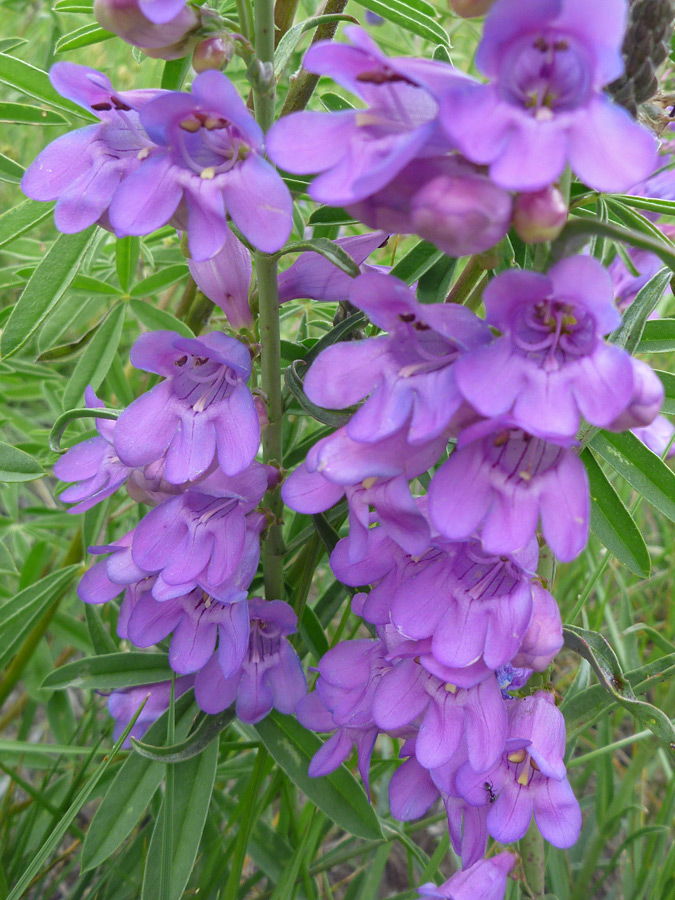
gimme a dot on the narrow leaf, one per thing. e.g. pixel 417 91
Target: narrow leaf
pixel 339 795
pixel 331 251
pixel 22 218
pixel 15 465
pixel 47 284
pixel 207 731
pixel 636 316
pixel 325 416
pixel 93 365
pixel 155 319
pixel 416 262
pixel 658 337
pixel 67 417
pixel 111 671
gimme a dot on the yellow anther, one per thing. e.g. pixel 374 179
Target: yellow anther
pixel 191 125
pixel 208 173
pixel 451 688
pixel 369 482
pixel 143 153
pixel 517 756
pixel 525 475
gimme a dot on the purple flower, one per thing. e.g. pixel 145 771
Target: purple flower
pixel 93 464
pixel 529 779
pixel 269 675
pixel 502 479
pixel 162 28
pixel 409 373
pixel 547 61
pixel 201 410
pixel 196 621
pixel 551 364
pixel 123 704
pixel 359 151
pixel 485 880
pixel 407 692
pixel 645 402
pixel 374 475
pixel 82 169
pixel 225 279
pixel 342 702
pixel 658 436
pixel 200 539
pixel 444 199
pixel 543 639
pixel 540 216
pixel 208 162
pixel 314 277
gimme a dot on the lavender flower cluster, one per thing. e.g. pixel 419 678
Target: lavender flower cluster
pixel 458 616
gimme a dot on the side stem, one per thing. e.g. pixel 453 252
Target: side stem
pixel 268 303
pixel 534 864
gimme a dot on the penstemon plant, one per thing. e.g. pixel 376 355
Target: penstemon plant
pixel 364 452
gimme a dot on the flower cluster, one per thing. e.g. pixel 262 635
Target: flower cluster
pixel 159 157
pixel 187 448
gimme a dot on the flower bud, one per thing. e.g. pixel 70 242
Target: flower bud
pixel 645 402
pixel 137 23
pixel 540 216
pixel 462 214
pixel 470 9
pixel 213 53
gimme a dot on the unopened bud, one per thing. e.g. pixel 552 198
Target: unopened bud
pixel 162 37
pixel 462 214
pixel 213 53
pixel 540 216
pixel 470 9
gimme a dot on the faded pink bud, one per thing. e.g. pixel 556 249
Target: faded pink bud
pixel 225 279
pixel 470 9
pixel 213 53
pixel 540 216
pixel 162 30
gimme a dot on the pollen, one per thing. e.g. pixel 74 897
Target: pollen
pixel 208 173
pixel 451 688
pixel 143 153
pixel 517 756
pixel 369 482
pixel 191 125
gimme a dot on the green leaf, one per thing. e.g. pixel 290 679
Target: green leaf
pixel 636 316
pixel 93 365
pixel 15 465
pixel 339 795
pixel 111 671
pixel 69 416
pixel 155 319
pixel 19 614
pixel 174 73
pixel 331 251
pixel 612 523
pixel 126 259
pixel 95 286
pixel 82 37
pixel 21 76
pixel 131 791
pixel 156 282
pixel 413 15
pixel 194 780
pixel 22 218
pixel 325 416
pixel 334 102
pixel 21 113
pixel 434 285
pixel 330 215
pixel 337 333
pixel 101 640
pixel 641 468
pixel 207 731
pixel 10 170
pixel 38 859
pixel 668 382
pixel 658 337
pixel 47 285
pixel 416 262
pixel 577 230
pixel 593 647
pixel 291 39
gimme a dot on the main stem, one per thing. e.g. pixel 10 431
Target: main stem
pixel 268 302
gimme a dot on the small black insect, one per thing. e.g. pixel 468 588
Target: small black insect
pixel 490 790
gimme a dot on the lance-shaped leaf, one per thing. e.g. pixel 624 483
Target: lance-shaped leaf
pixel 205 733
pixel 330 250
pixel 16 465
pixel 593 647
pixel 658 337
pixel 325 416
pixel 635 317
pixel 70 415
pixel 93 365
pixel 111 671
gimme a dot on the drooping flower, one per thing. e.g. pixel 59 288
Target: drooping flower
pixel 529 779
pixel 443 199
pixel 547 61
pixel 203 409
pixel 359 151
pixel 485 880
pixel 270 674
pixel 82 169
pixel 162 28
pixel 550 364
pixel 501 479
pixel 225 279
pixel 407 375
pixel 93 464
pixel 208 162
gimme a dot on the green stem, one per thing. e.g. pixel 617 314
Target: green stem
pixel 268 303
pixel 467 281
pixel 244 16
pixel 199 313
pixel 534 864
pixel 284 14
